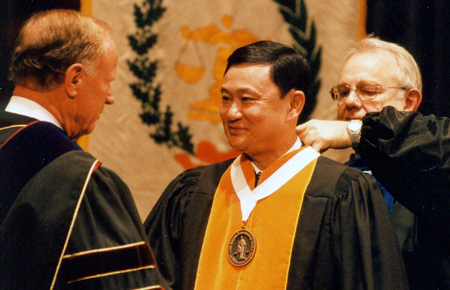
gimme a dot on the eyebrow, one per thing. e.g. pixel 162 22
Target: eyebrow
pixel 241 91
pixel 360 83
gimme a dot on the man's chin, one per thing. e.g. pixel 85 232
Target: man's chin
pixel 348 118
pixel 82 133
pixel 351 116
pixel 237 146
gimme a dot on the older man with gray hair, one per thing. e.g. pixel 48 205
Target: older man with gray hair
pixel 66 222
pixel 380 76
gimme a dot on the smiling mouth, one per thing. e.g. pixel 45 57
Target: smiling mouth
pixel 235 130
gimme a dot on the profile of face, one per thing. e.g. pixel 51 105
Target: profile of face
pixel 95 91
pixel 365 72
pixel 253 113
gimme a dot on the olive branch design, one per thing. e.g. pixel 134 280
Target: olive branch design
pixel 295 14
pixel 144 89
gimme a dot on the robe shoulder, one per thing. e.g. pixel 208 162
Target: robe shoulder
pixel 177 223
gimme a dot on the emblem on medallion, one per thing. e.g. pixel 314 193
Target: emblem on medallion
pixel 241 248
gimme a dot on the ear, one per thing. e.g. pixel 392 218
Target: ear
pixel 296 103
pixel 73 79
pixel 413 99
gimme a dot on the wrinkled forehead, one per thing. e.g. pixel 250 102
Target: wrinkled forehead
pixel 380 68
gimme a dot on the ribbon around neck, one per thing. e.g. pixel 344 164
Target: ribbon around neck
pixel 249 198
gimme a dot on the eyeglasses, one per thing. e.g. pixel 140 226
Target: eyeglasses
pixel 364 91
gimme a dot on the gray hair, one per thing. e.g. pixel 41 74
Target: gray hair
pixel 408 73
pixel 51 41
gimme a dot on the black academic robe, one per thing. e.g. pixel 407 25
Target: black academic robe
pixel 50 209
pixel 344 238
pixel 410 154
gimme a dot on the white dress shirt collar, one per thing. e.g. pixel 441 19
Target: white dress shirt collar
pixel 26 107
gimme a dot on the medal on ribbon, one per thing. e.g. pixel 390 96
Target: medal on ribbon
pixel 241 248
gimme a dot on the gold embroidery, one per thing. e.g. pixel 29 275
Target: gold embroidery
pixel 113 273
pixel 83 191
pixel 12 126
pixel 103 250
pixel 156 287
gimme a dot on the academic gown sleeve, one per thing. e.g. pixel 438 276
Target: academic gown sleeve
pixel 177 223
pixel 36 228
pixel 410 154
pixel 344 238
pixel 108 218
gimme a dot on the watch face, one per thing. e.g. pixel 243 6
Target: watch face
pixel 354 125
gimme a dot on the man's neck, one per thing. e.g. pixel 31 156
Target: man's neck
pixel 25 107
pixel 263 161
pixel 48 100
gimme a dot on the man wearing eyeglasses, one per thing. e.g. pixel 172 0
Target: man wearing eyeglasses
pixel 377 74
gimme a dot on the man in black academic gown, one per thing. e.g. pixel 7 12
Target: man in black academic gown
pixel 409 154
pixel 378 74
pixel 65 221
pixel 279 216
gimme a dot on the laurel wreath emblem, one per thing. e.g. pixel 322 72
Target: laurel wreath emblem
pixel 295 14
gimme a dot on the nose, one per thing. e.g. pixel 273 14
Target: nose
pixel 109 100
pixel 353 100
pixel 234 112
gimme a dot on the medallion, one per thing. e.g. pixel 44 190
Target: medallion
pixel 241 248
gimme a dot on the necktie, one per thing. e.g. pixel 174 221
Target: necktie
pixel 258 176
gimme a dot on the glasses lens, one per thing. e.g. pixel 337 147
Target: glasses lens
pixel 368 91
pixel 343 91
pixel 339 92
pixel 335 93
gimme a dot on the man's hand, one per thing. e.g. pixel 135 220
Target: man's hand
pixel 322 135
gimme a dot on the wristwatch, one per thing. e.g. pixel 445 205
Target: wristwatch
pixel 354 129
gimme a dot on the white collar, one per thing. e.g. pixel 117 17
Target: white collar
pixel 248 198
pixel 29 108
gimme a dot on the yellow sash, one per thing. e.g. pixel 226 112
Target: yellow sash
pixel 273 222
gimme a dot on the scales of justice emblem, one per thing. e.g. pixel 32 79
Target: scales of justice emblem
pixel 241 248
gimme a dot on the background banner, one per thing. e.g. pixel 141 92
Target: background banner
pixel 165 117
